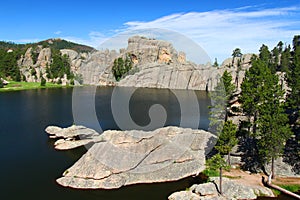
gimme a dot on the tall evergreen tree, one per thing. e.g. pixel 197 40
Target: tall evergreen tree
pixel 285 61
pixel 262 98
pixel 251 95
pixel 220 96
pixel 273 124
pixel 227 139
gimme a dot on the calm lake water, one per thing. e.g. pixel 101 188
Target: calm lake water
pixel 30 165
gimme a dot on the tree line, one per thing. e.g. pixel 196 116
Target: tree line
pixel 273 123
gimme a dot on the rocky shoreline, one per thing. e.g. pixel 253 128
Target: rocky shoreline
pixel 119 158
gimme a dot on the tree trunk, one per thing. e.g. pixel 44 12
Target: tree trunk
pixel 221 192
pixel 272 168
pixel 229 161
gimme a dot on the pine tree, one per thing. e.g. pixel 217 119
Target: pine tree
pixel 216 63
pixel 217 162
pixel 227 139
pixel 220 98
pixel 262 100
pixel 285 61
pixel 273 124
pixel 264 54
pixel 251 95
pixel 237 53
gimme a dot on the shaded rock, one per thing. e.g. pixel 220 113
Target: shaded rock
pixel 120 158
pixel 63 144
pixel 282 168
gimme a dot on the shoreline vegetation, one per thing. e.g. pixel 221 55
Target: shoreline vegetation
pixel 18 86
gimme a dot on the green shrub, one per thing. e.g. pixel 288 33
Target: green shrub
pixel 1 83
pixel 121 67
pixel 211 173
pixel 43 82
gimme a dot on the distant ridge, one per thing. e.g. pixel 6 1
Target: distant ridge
pixel 54 43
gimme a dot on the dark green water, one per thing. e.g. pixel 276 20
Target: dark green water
pixel 30 165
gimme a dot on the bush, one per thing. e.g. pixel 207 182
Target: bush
pixel 1 83
pixel 43 82
pixel 121 67
pixel 211 173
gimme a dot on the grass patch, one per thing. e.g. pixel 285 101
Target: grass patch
pixel 291 188
pixel 211 173
pixel 276 192
pixel 16 86
pixel 233 177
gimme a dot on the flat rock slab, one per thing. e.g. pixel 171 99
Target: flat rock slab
pixel 72 137
pixel 120 158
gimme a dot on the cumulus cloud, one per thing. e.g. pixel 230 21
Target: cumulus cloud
pixel 218 32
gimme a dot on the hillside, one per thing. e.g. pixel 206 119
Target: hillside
pixel 56 44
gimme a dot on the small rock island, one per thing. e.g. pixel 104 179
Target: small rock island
pixel 120 158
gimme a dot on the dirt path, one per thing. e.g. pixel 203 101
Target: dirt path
pixel 256 179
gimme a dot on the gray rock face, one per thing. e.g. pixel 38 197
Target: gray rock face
pixel 175 76
pixel 160 66
pixel 120 158
pixel 94 68
pixel 231 190
pixel 156 63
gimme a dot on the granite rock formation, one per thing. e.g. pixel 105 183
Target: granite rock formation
pixel 120 158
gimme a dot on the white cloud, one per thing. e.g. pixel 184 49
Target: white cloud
pixel 220 31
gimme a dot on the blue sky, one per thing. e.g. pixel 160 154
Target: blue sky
pixel 218 26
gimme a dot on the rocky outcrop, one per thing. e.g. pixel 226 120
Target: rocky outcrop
pixel 231 190
pixel 34 63
pixel 175 76
pixel 94 68
pixel 120 158
pixel 156 64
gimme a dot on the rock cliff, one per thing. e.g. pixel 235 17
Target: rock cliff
pixel 156 64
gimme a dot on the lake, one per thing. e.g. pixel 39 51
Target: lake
pixel 29 163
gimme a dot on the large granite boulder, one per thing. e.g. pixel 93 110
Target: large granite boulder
pixel 120 158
